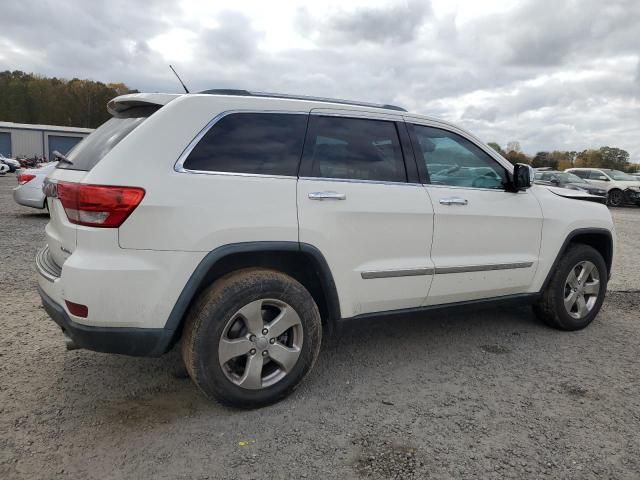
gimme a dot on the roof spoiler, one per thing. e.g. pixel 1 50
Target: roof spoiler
pixel 120 104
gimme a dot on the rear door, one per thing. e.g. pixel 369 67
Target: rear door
pixel 366 212
pixel 486 240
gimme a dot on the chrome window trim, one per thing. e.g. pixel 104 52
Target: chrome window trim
pixel 460 187
pixel 179 165
pixel 413 272
pixel 351 180
pixel 408 272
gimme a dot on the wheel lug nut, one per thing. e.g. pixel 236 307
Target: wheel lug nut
pixel 252 338
pixel 252 351
pixel 265 331
pixel 264 353
pixel 272 341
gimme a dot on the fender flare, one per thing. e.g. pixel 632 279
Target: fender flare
pixel 565 245
pixel 195 282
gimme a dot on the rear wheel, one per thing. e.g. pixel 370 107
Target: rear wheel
pixel 575 293
pixel 616 197
pixel 251 338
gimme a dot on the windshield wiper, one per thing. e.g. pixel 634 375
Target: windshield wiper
pixel 61 157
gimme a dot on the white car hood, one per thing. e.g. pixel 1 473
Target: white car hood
pixel 576 194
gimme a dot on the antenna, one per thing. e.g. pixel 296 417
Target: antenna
pixel 179 79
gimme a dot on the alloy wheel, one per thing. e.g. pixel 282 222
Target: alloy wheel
pixel 581 289
pixel 616 198
pixel 260 344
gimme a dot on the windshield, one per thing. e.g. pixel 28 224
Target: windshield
pixel 620 176
pixel 570 178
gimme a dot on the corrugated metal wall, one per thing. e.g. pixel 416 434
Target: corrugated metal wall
pixel 27 143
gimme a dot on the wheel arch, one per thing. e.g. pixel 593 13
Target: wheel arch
pixel 301 261
pixel 599 238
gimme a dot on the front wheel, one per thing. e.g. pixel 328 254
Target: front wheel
pixel 575 293
pixel 616 198
pixel 251 338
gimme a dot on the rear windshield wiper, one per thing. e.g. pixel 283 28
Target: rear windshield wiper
pixel 61 157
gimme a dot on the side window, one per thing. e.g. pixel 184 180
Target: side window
pixel 581 173
pixel 262 143
pixel 597 175
pixel 353 148
pixel 451 159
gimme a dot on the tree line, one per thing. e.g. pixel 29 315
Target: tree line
pixel 31 98
pixel 604 157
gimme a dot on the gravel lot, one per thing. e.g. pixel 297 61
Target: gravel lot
pixel 489 395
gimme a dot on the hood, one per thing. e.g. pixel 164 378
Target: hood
pixel 575 194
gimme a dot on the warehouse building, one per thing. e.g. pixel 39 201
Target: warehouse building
pixel 26 140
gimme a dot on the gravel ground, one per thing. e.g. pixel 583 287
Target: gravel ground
pixel 489 395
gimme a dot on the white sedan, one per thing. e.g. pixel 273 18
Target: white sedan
pixel 29 190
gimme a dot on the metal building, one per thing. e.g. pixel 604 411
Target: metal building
pixel 26 140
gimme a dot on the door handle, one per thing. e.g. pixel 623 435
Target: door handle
pixel 454 201
pixel 327 196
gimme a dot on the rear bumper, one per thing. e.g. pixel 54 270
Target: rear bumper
pixel 29 196
pixel 139 342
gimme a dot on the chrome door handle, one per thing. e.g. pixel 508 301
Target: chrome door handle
pixel 327 196
pixel 454 201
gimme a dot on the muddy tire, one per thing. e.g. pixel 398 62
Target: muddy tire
pixel 251 338
pixel 574 295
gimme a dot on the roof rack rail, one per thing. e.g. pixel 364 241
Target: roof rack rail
pixel 247 93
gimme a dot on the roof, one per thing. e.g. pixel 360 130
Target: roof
pixel 52 128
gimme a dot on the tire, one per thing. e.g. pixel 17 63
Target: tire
pixel 615 198
pixel 551 307
pixel 229 316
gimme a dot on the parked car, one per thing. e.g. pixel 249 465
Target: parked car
pixel 4 168
pixel 621 187
pixel 30 181
pixel 10 162
pixel 248 226
pixel 568 180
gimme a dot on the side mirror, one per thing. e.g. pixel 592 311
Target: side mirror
pixel 523 176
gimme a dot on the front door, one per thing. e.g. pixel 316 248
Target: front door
pixel 356 205
pixel 486 240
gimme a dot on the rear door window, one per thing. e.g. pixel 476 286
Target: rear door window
pixel 353 148
pixel 86 154
pixel 257 143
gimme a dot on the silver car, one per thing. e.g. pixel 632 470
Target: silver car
pixel 29 190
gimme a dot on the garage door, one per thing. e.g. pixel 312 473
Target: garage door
pixel 62 144
pixel 5 144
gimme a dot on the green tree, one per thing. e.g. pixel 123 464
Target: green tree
pixel 29 98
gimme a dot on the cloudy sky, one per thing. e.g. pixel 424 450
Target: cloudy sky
pixel 551 74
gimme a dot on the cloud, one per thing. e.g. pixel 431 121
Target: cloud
pixel 551 74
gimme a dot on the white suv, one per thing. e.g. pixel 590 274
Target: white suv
pixel 621 187
pixel 245 226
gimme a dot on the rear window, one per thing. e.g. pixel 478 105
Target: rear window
pixel 86 154
pixel 258 143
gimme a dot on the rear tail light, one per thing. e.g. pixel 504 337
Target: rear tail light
pixel 24 178
pixel 98 205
